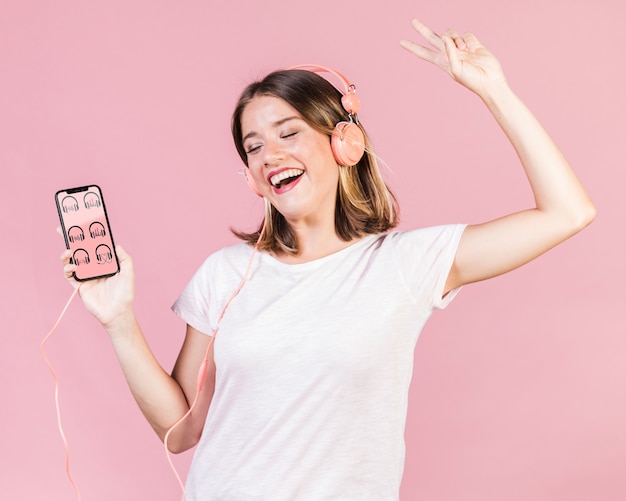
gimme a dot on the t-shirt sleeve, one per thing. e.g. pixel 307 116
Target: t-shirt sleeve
pixel 426 256
pixel 194 304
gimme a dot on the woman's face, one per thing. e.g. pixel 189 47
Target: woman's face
pixel 291 163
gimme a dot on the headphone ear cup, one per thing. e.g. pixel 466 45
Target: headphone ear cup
pixel 347 143
pixel 251 182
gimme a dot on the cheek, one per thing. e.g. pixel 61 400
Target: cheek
pixel 327 161
pixel 323 153
pixel 255 165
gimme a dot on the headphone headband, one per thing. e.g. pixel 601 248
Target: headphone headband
pixel 349 100
pixel 316 68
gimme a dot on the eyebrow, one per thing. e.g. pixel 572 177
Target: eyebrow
pixel 278 123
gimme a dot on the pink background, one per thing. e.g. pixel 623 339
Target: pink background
pixel 520 386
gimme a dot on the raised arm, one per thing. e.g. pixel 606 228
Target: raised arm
pixel 162 398
pixel 562 207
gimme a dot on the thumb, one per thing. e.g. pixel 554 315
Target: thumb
pixel 124 257
pixel 121 252
pixel 453 55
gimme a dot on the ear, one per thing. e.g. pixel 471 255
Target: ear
pixel 250 181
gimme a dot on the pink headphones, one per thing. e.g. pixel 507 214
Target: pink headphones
pixel 347 140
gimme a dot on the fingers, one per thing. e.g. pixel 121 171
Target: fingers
pixel 458 40
pixel 429 35
pixel 432 55
pixel 66 256
pixel 419 50
pixel 467 42
pixel 473 44
pixel 68 267
pixel 68 271
pixel 446 51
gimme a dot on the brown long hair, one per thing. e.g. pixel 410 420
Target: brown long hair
pixel 365 205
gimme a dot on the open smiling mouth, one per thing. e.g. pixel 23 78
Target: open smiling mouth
pixel 285 177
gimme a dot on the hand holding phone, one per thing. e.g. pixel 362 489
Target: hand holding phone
pixel 87 233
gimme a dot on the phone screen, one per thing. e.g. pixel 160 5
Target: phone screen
pixel 87 232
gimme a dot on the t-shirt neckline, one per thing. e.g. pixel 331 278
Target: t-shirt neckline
pixel 322 260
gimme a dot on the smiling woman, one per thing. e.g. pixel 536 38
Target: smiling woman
pixel 293 104
pixel 303 394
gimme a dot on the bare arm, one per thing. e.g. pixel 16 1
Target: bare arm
pixel 562 207
pixel 162 398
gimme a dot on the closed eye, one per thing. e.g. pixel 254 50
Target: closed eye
pixel 253 149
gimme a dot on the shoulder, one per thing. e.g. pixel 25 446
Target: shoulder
pixel 225 254
pixel 424 239
pixel 223 262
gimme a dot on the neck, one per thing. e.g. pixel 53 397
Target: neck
pixel 314 242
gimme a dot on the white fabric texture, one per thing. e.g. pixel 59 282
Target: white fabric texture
pixel 314 362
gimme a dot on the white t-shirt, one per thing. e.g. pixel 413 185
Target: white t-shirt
pixel 314 362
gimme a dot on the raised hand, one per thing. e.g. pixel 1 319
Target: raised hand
pixel 464 58
pixel 562 207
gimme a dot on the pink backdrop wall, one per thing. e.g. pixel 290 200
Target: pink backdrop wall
pixel 519 387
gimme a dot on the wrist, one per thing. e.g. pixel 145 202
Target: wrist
pixel 497 94
pixel 502 102
pixel 121 324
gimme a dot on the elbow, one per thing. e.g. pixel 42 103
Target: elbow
pixel 181 446
pixel 180 442
pixel 582 217
pixel 178 449
pixel 586 216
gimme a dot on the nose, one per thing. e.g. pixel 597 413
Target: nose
pixel 272 153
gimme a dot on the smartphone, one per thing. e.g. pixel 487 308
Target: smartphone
pixel 87 232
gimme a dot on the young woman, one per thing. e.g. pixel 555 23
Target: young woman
pixel 306 386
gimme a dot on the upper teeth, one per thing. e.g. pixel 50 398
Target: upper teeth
pixel 281 176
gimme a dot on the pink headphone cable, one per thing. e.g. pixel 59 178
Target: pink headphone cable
pixel 205 362
pixel 199 385
pixel 56 392
pixel 200 380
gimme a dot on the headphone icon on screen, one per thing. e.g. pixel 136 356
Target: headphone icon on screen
pixel 69 204
pixel 80 256
pixel 76 234
pixel 96 229
pixel 91 200
pixel 104 254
